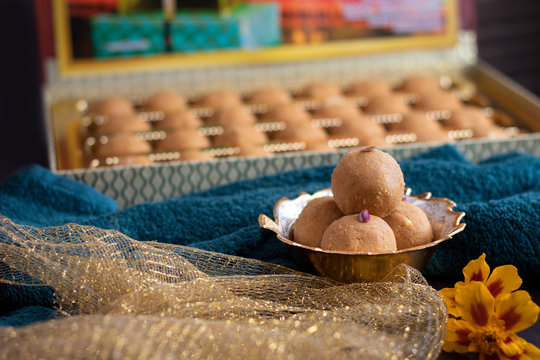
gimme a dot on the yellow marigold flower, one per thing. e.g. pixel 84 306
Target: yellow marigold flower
pixel 503 280
pixel 487 313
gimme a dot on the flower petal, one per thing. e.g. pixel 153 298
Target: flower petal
pixel 457 336
pixel 493 356
pixel 504 279
pixel 475 303
pixel 476 270
pixel 516 310
pixel 527 350
pixel 449 295
pixel 512 346
pixel 531 352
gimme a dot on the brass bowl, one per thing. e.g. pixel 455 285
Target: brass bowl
pixel 354 267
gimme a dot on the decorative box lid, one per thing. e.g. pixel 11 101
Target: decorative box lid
pixel 310 31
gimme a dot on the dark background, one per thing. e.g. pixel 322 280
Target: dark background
pixel 22 139
pixel 509 38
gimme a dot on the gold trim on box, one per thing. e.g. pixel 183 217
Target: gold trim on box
pixel 70 66
pixel 354 267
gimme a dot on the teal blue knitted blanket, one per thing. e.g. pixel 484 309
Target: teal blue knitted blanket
pixel 500 196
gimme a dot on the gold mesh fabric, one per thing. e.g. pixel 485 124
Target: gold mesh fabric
pixel 123 298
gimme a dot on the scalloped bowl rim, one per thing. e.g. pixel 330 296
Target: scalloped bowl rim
pixel 458 216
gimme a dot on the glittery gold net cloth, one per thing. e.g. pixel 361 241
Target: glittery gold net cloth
pixel 122 298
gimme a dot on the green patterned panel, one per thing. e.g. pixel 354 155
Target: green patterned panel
pixel 204 32
pixel 248 26
pixel 133 185
pixel 127 35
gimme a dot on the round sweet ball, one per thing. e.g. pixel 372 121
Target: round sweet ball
pixel 360 126
pixel 131 160
pixel 368 88
pixel 337 108
pixel 178 120
pixel 351 234
pixel 342 141
pixel 219 98
pixel 367 179
pixel 289 113
pixel 319 146
pixel 320 90
pixel 301 132
pixel 182 139
pixel 270 96
pixel 471 117
pixel 478 99
pixel 231 115
pixel 437 101
pixel 195 155
pixel 252 150
pixel 420 83
pixel 419 123
pixel 497 132
pixel 386 104
pixel 503 119
pixel 240 135
pixel 317 215
pixel 127 123
pixel 410 225
pixel 375 141
pixel 167 101
pixel 124 143
pixel 113 106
